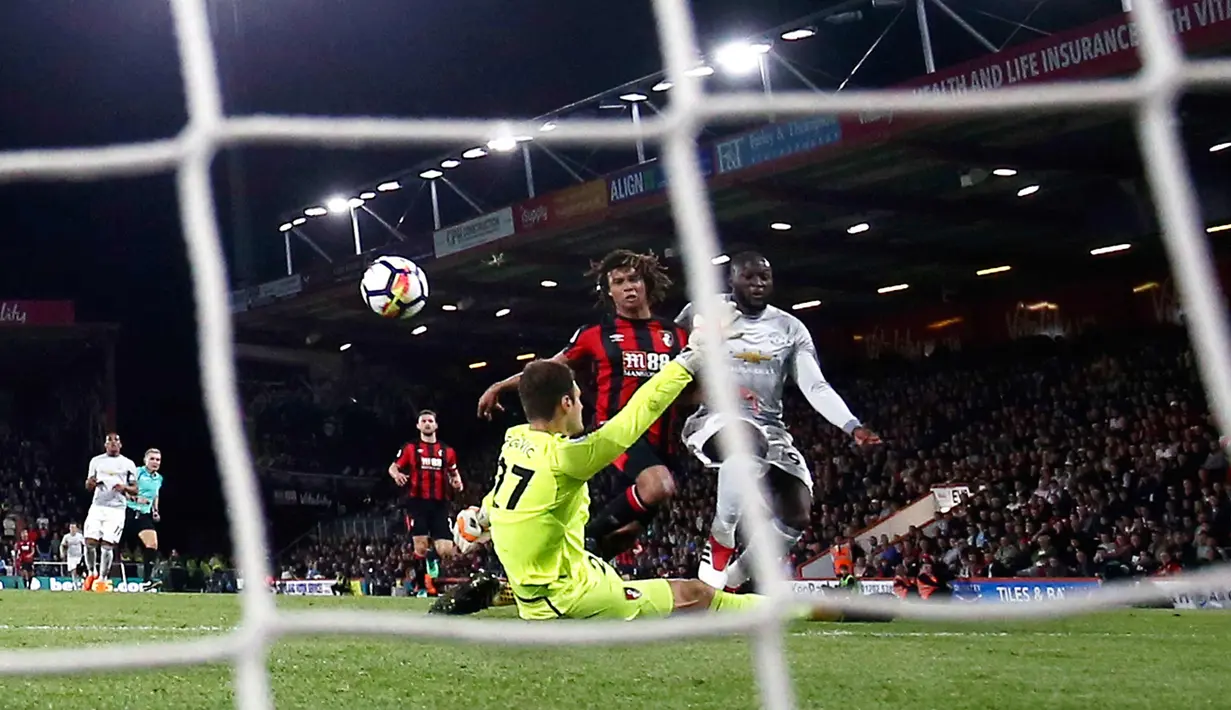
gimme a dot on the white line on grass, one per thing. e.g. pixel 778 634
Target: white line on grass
pixel 984 634
pixel 116 627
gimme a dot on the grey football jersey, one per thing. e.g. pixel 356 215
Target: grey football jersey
pixel 760 360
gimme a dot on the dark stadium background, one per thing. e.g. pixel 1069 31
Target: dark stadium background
pixel 89 72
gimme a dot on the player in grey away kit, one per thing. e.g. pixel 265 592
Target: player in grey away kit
pixel 774 345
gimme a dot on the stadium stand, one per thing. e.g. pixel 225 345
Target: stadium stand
pixel 1086 457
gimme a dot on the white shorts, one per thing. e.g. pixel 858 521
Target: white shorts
pixel 73 564
pixel 781 445
pixel 106 524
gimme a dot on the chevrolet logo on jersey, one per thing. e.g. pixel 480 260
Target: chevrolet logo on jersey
pixel 753 357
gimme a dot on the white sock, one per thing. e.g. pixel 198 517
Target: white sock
pixel 91 559
pixel 105 557
pixel 728 508
pixel 740 571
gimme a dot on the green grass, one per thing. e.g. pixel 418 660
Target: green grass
pixel 1124 660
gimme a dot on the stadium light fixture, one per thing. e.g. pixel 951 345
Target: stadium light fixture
pixel 1219 147
pixel 805 305
pixel 798 34
pixel 1004 172
pixel 503 144
pixel 298 221
pixel 993 270
pixel 474 153
pixel 720 260
pixel 337 205
pixel 285 227
pixel 344 347
pixel 430 174
pixel 1217 228
pixel 703 70
pixel 503 312
pixel 355 203
pixel 891 289
pixel 547 127
pixel 389 186
pixel 450 163
pixel 419 330
pixel 548 283
pixel 1111 249
pixel 525 356
pixel 1027 191
pixel 316 212
pixel 780 226
pixel 661 86
pixel 858 228
pixel 740 58
pixel 634 97
pixel 448 307
pixel 477 365
pixel 367 195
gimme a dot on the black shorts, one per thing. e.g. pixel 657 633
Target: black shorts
pixel 640 456
pixel 26 566
pixel 429 518
pixel 136 523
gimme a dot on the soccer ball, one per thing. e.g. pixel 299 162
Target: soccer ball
pixel 471 529
pixel 394 287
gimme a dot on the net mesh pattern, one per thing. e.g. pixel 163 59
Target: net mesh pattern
pixel 1151 95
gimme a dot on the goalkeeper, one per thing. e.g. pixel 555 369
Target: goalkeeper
pixel 540 502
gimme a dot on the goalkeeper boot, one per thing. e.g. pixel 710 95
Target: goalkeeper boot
pixel 469 597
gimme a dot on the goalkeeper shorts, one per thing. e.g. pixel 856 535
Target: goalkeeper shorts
pixel 596 591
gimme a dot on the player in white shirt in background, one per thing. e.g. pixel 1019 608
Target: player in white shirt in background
pixel 112 479
pixel 773 345
pixel 72 550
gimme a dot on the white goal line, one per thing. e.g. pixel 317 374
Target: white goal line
pixel 1152 94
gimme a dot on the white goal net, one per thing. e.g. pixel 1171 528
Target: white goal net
pixel 1152 94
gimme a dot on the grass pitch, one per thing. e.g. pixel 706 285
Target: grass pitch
pixel 1124 660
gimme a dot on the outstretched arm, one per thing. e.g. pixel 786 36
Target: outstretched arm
pixel 586 455
pixel 577 351
pixel 806 369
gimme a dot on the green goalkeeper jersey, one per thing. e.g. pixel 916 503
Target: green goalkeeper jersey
pixel 539 504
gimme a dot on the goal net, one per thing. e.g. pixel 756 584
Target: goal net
pixel 1151 95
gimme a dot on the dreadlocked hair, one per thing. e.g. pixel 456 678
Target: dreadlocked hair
pixel 647 265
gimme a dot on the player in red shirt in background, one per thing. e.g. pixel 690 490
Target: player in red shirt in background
pixel 428 470
pixel 23 557
pixel 623 351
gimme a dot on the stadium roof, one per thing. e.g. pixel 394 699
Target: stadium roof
pixel 935 208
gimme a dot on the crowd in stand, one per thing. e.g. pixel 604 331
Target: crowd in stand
pixel 1089 457
pixel 37 498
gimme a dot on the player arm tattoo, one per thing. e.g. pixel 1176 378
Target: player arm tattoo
pixel 806 369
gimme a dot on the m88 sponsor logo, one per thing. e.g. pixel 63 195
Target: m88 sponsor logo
pixel 638 363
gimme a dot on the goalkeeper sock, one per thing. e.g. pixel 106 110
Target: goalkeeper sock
pixel 725 602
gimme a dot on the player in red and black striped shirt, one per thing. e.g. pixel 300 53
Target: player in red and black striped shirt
pixel 428 470
pixel 624 351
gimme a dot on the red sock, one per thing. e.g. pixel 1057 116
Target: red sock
pixel 720 554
